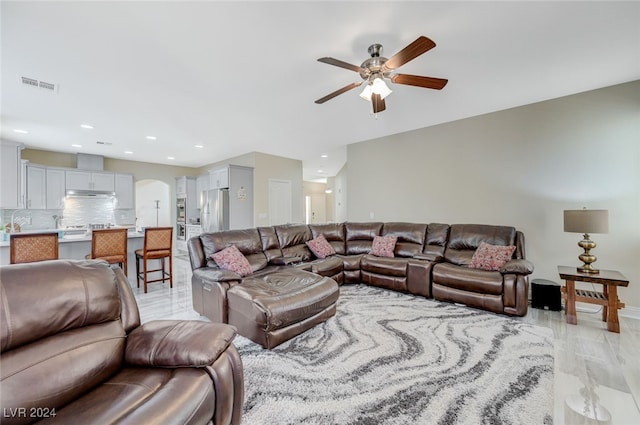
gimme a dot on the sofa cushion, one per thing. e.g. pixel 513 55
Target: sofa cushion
pixel 247 241
pixel 87 283
pixel 410 237
pixel 491 257
pixel 232 259
pixel 466 279
pixel 359 236
pixel 320 247
pixel 270 245
pixel 383 246
pixel 334 233
pixel 436 240
pixel 464 239
pixel 292 239
pixel 145 395
pixel 396 266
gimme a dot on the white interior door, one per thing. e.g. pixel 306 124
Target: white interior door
pixel 318 209
pixel 279 201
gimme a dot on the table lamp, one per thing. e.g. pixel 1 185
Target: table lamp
pixel 586 221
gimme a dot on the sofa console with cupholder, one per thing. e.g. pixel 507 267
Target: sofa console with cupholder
pixel 287 278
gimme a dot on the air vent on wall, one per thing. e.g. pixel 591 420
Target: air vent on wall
pixel 50 87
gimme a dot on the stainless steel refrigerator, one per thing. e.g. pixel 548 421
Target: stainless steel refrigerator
pixel 214 210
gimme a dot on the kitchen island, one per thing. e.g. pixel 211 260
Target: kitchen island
pixel 77 246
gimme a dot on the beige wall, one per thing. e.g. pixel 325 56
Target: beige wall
pixel 140 170
pixel 519 167
pixel 267 167
pixel 340 195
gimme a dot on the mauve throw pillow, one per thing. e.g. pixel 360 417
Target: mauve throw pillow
pixel 383 246
pixel 320 247
pixel 232 259
pixel 491 257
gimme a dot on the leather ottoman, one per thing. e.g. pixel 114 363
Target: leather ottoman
pixel 275 307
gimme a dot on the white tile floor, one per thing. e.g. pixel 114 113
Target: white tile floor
pixel 589 360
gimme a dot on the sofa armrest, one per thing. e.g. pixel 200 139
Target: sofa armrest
pixel 285 261
pixel 212 274
pixel 177 343
pixel 428 257
pixel 520 266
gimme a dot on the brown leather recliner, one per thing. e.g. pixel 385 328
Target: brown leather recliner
pixel 73 351
pixel 501 291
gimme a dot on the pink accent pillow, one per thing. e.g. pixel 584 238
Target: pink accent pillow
pixel 320 247
pixel 232 259
pixel 383 246
pixel 491 257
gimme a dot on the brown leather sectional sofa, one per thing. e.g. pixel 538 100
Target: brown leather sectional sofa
pixel 430 260
pixel 73 351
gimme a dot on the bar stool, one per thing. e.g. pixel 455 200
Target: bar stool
pixel 158 243
pixel 32 247
pixel 109 245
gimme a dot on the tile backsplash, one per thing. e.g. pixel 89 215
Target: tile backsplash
pixel 79 211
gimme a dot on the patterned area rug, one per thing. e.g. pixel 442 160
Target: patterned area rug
pixel 391 358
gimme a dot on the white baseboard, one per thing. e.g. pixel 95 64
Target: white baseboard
pixel 630 311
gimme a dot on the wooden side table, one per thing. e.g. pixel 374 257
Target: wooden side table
pixel 608 298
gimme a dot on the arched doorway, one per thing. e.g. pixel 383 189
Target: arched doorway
pixel 153 207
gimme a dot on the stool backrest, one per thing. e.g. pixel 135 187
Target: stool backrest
pixel 32 247
pixel 158 239
pixel 108 242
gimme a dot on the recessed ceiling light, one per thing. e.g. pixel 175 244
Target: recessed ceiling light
pixel 76 146
pixel 198 146
pixel 87 126
pixel 151 137
pixel 324 155
pixel 17 130
pixel 170 157
pixel 128 152
pixel 321 171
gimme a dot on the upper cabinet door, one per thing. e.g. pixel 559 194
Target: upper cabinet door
pixel 88 180
pixel 10 176
pixel 55 188
pixel 103 181
pixel 78 180
pixel 36 187
pixel 125 191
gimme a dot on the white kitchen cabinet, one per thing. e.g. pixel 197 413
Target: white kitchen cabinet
pixel 193 230
pixel 10 174
pixel 202 184
pixel 125 193
pixel 55 191
pixel 181 187
pixel 90 180
pixel 36 187
pixel 219 178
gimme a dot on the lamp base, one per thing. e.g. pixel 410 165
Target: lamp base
pixel 587 257
pixel 587 269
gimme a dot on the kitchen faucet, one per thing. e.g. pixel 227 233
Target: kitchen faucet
pixel 12 229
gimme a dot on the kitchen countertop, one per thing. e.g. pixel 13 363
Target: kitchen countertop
pixel 81 237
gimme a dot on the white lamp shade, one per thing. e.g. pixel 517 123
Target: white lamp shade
pixel 586 221
pixel 379 87
pixel 366 93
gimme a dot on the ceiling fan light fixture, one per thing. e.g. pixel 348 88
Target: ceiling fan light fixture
pixel 366 93
pixel 379 87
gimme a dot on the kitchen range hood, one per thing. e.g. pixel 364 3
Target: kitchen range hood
pixel 90 193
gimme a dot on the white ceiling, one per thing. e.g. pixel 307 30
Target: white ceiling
pixel 238 77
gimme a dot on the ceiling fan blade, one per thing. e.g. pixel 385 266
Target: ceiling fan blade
pixel 378 103
pixel 421 45
pixel 341 64
pixel 338 92
pixel 419 81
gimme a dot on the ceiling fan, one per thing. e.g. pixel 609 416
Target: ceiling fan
pixel 374 70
